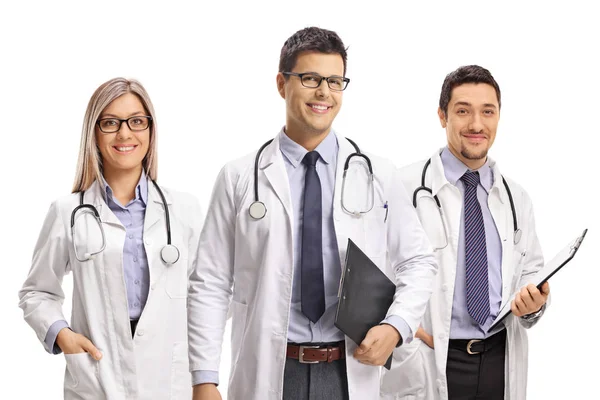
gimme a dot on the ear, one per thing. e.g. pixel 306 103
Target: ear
pixel 442 118
pixel 281 84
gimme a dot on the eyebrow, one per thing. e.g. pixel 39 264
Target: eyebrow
pixel 467 104
pixel 316 73
pixel 115 116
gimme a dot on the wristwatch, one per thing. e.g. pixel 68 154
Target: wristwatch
pixel 534 315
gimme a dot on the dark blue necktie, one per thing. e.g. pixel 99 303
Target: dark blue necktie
pixel 477 281
pixel 311 263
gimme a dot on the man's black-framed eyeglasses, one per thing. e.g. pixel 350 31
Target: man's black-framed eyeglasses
pixel 135 123
pixel 313 81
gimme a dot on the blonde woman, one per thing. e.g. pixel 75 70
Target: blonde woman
pixel 129 244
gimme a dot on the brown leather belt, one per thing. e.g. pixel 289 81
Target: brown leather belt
pixel 308 354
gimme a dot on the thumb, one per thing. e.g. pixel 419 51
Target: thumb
pixel 366 344
pixel 545 289
pixel 89 347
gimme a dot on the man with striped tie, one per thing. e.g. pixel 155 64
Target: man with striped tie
pixel 481 225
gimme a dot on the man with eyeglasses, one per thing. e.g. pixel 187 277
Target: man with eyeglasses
pixel 274 237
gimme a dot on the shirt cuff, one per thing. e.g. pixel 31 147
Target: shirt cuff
pixel 53 333
pixel 401 326
pixel 202 376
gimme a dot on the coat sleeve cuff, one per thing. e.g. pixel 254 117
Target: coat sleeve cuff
pixel 50 339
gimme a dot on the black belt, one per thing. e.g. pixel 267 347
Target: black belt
pixel 476 346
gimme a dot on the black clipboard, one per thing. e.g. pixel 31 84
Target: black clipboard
pixel 364 297
pixel 549 269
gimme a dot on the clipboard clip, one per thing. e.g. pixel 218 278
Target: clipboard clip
pixel 578 241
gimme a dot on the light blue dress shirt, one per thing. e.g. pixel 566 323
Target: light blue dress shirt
pixel 463 326
pixel 135 262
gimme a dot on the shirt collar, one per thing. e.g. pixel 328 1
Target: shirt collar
pixel 294 152
pixel 454 169
pixel 141 190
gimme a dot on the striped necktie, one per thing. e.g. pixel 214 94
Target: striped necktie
pixel 476 265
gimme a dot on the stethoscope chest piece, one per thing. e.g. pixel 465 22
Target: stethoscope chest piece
pixel 517 237
pixel 169 254
pixel 257 210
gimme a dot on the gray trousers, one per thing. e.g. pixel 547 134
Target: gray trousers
pixel 322 381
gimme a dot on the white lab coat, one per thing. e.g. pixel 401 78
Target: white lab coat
pixel 418 371
pixel 253 260
pixel 154 365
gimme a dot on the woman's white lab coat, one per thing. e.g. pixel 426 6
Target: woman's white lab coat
pixel 418 371
pixel 152 365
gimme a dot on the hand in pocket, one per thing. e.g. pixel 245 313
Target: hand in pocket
pixel 74 343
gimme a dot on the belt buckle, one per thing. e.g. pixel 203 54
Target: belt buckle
pixel 469 346
pixel 301 355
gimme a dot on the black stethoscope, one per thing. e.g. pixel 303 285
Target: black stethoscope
pixel 517 232
pixel 169 253
pixel 258 210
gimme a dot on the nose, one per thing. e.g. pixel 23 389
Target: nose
pixel 475 123
pixel 124 132
pixel 323 90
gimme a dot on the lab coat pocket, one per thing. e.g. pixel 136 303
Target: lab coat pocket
pixel 519 261
pixel 81 377
pixel 181 379
pixel 406 379
pixel 376 231
pixel 239 313
pixel 177 279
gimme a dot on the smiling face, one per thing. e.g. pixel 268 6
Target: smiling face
pixel 123 150
pixel 471 123
pixel 311 111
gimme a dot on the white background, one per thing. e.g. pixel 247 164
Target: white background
pixel 210 70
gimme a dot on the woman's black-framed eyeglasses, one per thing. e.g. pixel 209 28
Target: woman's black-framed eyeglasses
pixel 135 123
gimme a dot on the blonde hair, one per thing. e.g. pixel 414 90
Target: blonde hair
pixel 89 163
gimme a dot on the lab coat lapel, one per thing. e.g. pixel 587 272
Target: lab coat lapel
pixel 346 225
pixel 155 209
pixel 272 165
pixel 501 213
pixel 96 195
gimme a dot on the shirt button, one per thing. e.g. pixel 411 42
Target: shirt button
pixel 148 242
pixel 137 282
pixel 135 259
pixel 136 304
pixel 140 332
pixel 131 236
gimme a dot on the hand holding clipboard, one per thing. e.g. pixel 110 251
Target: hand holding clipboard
pixel 543 275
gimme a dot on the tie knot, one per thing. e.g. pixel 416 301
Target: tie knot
pixel 311 158
pixel 470 178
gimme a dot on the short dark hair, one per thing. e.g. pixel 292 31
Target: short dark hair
pixel 310 39
pixel 466 74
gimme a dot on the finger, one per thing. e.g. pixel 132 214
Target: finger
pixel 527 299
pixel 538 297
pixel 545 289
pixel 519 305
pixel 513 308
pixel 88 346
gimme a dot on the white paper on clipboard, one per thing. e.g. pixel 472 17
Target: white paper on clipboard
pixel 549 269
